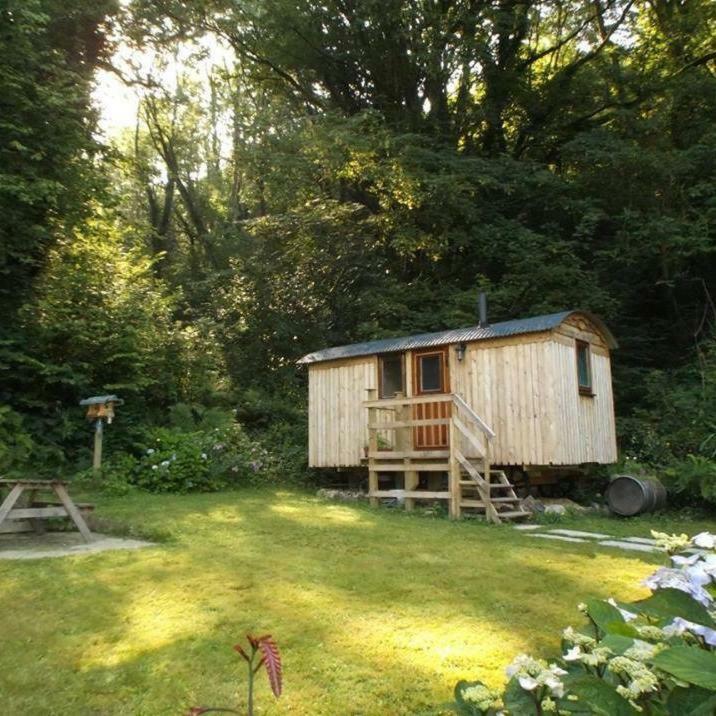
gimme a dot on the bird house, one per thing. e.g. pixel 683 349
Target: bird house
pixel 101 407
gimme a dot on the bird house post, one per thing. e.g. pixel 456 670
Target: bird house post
pixel 99 409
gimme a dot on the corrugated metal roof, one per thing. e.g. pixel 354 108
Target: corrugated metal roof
pixel 455 335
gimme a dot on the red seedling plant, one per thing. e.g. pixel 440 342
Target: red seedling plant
pixel 263 647
pixel 262 651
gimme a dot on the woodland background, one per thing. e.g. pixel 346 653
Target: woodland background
pixel 347 170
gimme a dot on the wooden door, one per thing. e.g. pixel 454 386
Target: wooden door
pixel 430 377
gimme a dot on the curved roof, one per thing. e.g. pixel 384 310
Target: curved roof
pixel 536 324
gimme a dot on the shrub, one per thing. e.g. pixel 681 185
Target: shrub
pixel 693 479
pixel 653 656
pixel 174 460
pixel 16 445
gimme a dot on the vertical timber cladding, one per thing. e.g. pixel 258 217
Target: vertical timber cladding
pixel 337 420
pixel 526 389
pixel 507 381
pixel 585 423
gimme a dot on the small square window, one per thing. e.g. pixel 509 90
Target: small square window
pixel 584 368
pixel 391 375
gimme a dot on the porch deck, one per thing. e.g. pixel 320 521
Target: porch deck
pixel 437 434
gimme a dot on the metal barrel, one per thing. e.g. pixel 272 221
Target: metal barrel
pixel 628 495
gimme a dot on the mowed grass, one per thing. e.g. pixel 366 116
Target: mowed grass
pixel 375 612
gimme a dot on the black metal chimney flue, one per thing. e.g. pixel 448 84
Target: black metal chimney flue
pixel 482 309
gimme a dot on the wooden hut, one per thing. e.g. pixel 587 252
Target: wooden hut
pixel 459 415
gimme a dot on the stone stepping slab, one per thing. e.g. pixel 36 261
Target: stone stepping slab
pixel 578 533
pixel 633 544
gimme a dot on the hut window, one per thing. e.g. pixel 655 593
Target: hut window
pixel 584 368
pixel 391 375
pixel 431 373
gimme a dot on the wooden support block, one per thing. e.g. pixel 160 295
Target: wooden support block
pixel 411 482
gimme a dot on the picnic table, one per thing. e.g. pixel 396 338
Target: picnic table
pixel 31 507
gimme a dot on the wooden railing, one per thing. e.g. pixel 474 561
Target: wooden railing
pixel 391 433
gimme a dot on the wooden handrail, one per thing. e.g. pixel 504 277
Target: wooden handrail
pixel 469 436
pixel 441 398
pixel 396 424
pixel 472 471
pixel 460 403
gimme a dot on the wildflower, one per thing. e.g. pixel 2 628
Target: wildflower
pixel 154 467
pixel 150 451
pixel 573 654
pixel 203 456
pixel 165 463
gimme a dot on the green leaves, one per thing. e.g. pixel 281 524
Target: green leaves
pixel 604 615
pixel 668 603
pixel 689 663
pixel 595 697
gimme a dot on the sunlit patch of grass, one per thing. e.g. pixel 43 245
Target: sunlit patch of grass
pixel 376 612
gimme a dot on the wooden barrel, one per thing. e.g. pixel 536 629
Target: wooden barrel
pixel 628 495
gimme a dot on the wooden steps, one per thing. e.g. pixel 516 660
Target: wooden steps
pixel 473 485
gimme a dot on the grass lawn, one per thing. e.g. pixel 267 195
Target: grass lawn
pixel 376 612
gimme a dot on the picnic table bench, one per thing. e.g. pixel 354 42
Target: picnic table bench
pixel 34 509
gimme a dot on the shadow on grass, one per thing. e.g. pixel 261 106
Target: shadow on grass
pixel 375 612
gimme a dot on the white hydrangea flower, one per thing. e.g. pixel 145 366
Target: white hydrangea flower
pixel 643 650
pixel 483 697
pixel 600 655
pixel 649 631
pixel 532 673
pixel 641 679
pixel 573 654
pixel 678 626
pixel 548 706
pixel 705 540
pixel 571 635
pixel 666 577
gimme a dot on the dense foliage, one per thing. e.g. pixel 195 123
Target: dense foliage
pixel 653 656
pixel 303 175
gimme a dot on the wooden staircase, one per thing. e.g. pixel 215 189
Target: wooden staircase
pixel 474 487
pixel 502 503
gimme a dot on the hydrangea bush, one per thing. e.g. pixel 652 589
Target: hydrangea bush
pixel 656 656
pixel 203 461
